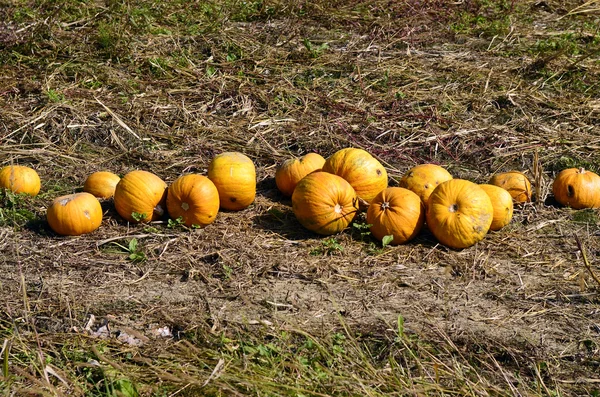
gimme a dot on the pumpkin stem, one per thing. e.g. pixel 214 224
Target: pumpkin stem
pixel 453 208
pixel 582 170
pixel 385 205
pixel 363 204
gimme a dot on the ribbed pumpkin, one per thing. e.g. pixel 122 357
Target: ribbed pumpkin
pixel 194 198
pixel 101 184
pixel 423 178
pixel 234 175
pixel 74 214
pixel 290 172
pixel 516 183
pixel 20 179
pixel 503 205
pixel 363 171
pixel 577 188
pixel 140 197
pixel 459 213
pixel 398 212
pixel 324 203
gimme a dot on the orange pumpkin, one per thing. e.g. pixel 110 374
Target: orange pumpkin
pixel 74 214
pixel 101 184
pixel 516 183
pixel 20 179
pixel 423 178
pixel 503 205
pixel 140 197
pixel 364 172
pixel 234 176
pixel 577 188
pixel 324 203
pixel 290 172
pixel 459 213
pixel 398 212
pixel 194 198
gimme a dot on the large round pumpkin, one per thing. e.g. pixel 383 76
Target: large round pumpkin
pixel 503 205
pixel 459 213
pixel 194 198
pixel 140 197
pixel 20 179
pixel 516 183
pixel 423 178
pixel 74 214
pixel 324 203
pixel 363 171
pixel 290 172
pixel 577 188
pixel 101 184
pixel 234 175
pixel 398 212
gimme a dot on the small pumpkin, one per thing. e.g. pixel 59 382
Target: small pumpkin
pixel 577 188
pixel 290 172
pixel 516 183
pixel 503 205
pixel 398 212
pixel 74 214
pixel 324 203
pixel 364 172
pixel 194 198
pixel 423 178
pixel 459 213
pixel 140 197
pixel 101 184
pixel 20 179
pixel 234 175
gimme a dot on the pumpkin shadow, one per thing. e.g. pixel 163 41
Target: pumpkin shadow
pixel 281 220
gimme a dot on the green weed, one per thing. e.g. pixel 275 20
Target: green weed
pixel 329 246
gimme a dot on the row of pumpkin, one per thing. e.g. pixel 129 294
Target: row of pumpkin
pixel 326 196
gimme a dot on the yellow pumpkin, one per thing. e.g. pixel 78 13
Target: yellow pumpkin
pixel 140 197
pixel 423 178
pixel 459 213
pixel 234 175
pixel 577 188
pixel 74 214
pixel 364 172
pixel 324 203
pixel 101 184
pixel 503 205
pixel 516 183
pixel 20 179
pixel 194 198
pixel 290 172
pixel 398 212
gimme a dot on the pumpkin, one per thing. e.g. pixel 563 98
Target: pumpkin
pixel 516 183
pixel 20 179
pixel 234 175
pixel 423 178
pixel 324 203
pixel 459 213
pixel 74 214
pixel 290 172
pixel 140 197
pixel 364 172
pixel 101 184
pixel 577 188
pixel 194 198
pixel 502 203
pixel 398 212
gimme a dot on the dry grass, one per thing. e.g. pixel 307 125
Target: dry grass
pixel 253 304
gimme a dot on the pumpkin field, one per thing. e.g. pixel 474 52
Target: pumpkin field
pixel 174 246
